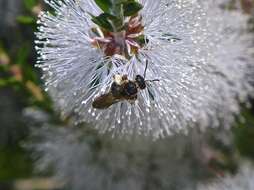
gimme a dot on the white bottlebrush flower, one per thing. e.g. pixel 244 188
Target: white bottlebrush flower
pixel 81 158
pixel 86 160
pixel 200 59
pixel 243 180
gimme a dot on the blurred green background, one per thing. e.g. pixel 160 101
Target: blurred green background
pixel 22 90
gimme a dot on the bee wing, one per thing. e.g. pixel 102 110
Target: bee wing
pixel 104 101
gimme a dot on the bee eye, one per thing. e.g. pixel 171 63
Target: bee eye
pixel 116 90
pixel 140 81
pixel 130 89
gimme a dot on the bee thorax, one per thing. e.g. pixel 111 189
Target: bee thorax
pixel 116 90
pixel 130 89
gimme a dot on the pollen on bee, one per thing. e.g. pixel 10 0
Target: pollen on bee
pixel 118 79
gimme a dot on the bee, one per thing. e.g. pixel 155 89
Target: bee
pixel 122 89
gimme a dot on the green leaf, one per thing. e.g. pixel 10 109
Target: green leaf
pixel 142 40
pixel 22 55
pixel 104 5
pixel 29 4
pixel 15 154
pixel 131 8
pixel 108 21
pixel 118 2
pixel 26 20
pixel 8 82
pixel 103 22
pixel 3 82
pixel 22 59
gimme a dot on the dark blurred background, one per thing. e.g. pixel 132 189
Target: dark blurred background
pixel 21 93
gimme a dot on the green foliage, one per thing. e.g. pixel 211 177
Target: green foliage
pixel 22 59
pixel 29 18
pixel 26 20
pixel 8 82
pixel 244 134
pixel 131 8
pixel 105 5
pixel 114 12
pixel 108 22
pixel 14 163
pixel 29 4
pixel 142 39
pixel 17 74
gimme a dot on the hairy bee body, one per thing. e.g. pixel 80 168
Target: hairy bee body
pixel 105 101
pixel 121 89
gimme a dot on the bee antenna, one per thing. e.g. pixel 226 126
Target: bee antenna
pixel 145 68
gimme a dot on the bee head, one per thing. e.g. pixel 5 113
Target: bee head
pixel 140 82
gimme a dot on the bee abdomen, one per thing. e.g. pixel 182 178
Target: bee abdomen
pixel 104 101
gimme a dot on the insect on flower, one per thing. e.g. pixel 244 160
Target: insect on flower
pixel 122 89
pixel 93 54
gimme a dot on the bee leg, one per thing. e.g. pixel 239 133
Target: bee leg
pixel 133 99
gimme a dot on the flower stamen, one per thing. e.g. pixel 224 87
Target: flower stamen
pixel 125 43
